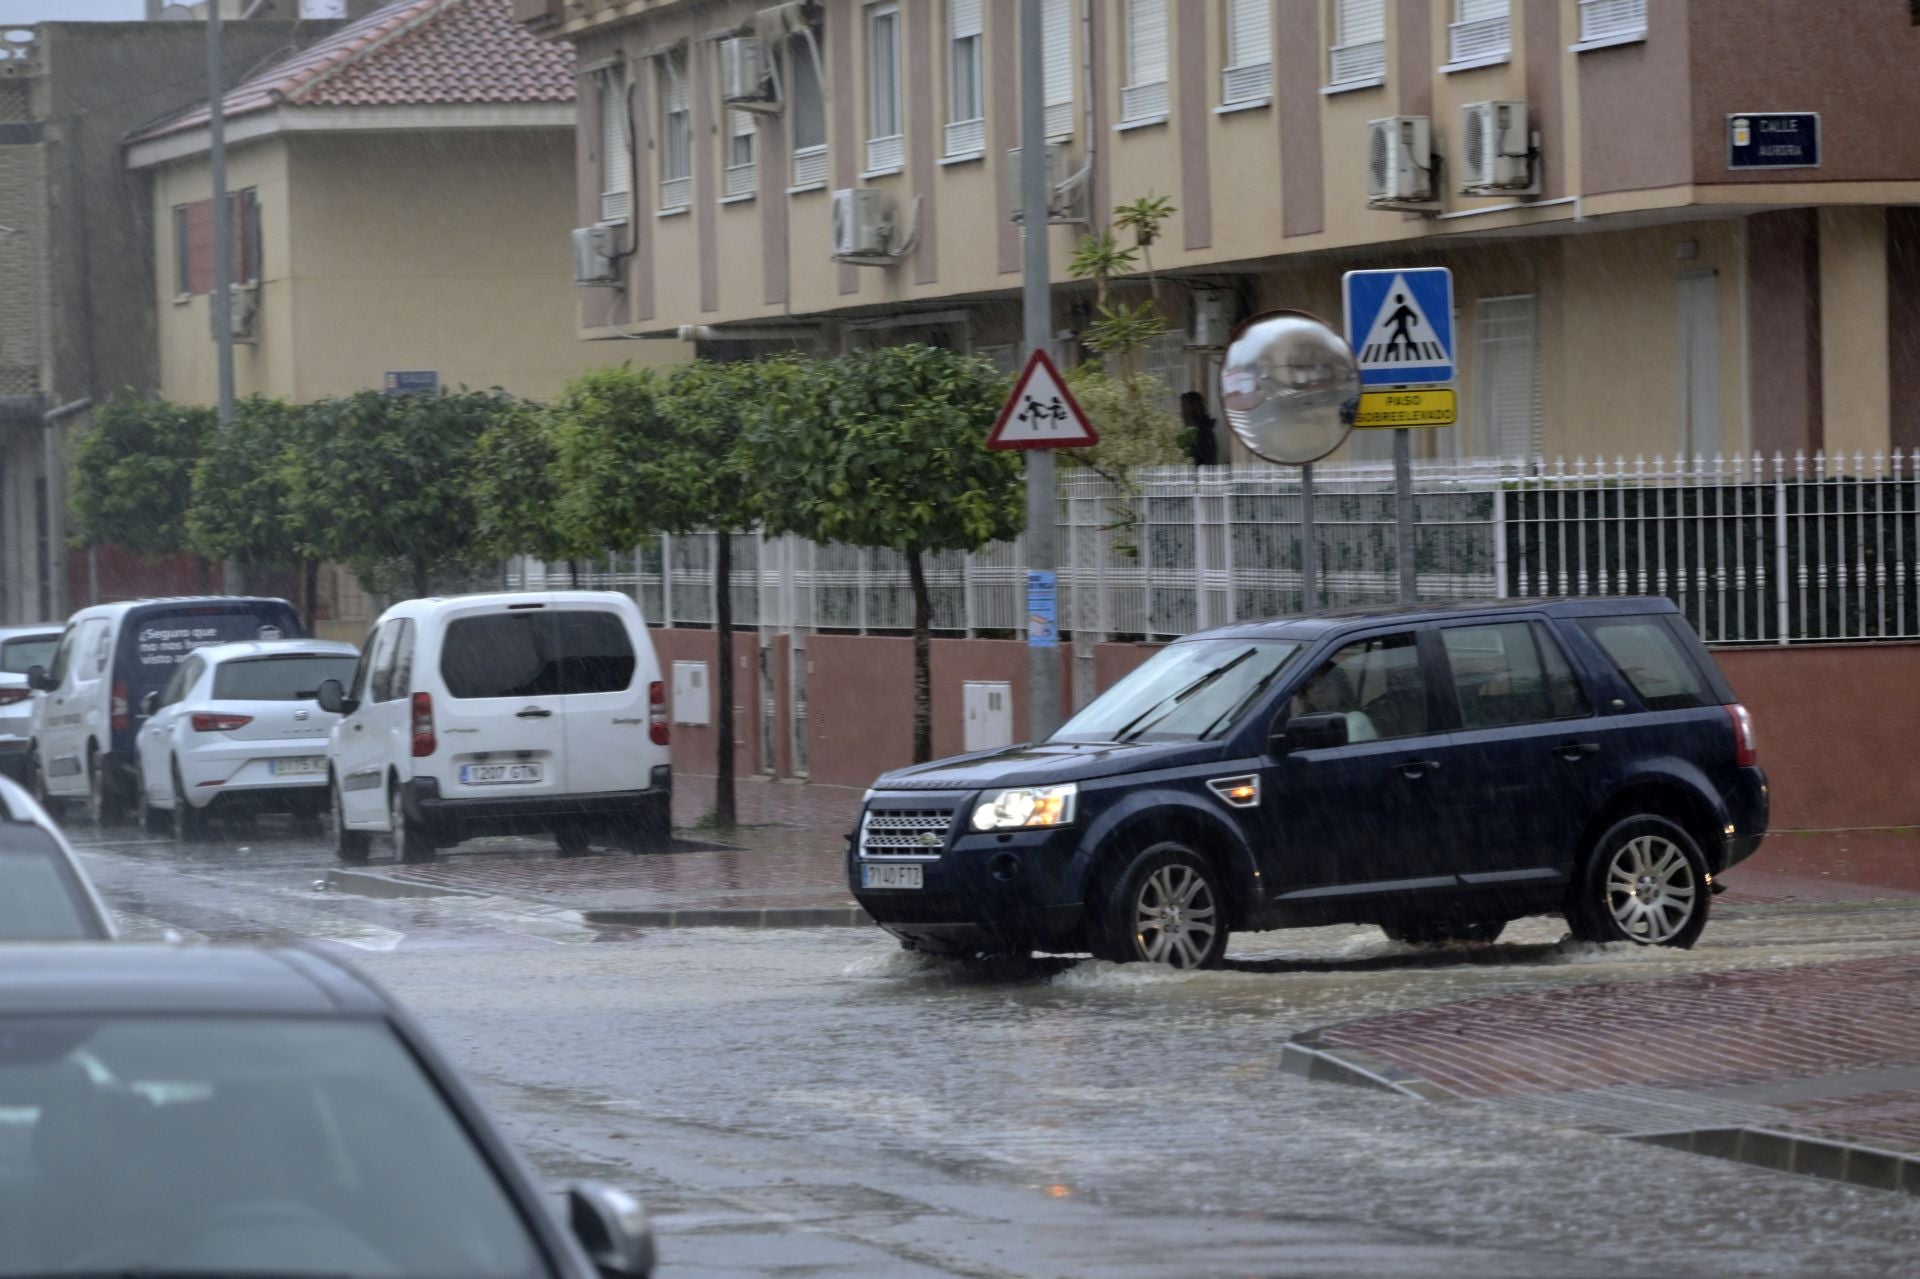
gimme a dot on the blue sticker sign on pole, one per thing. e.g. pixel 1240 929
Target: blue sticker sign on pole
pixel 1043 614
pixel 1400 325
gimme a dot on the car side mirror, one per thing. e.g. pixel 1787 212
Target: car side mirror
pixel 150 703
pixel 333 698
pixel 1310 733
pixel 613 1229
pixel 37 679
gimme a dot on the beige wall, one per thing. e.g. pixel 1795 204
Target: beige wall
pixel 443 251
pixel 1853 340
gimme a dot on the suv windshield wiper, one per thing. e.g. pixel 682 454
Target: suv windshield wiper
pixel 1141 722
pixel 1252 695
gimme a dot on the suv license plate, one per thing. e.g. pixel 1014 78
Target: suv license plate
pixel 299 764
pixel 891 876
pixel 499 774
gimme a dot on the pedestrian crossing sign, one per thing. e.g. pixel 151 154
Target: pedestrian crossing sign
pixel 1400 325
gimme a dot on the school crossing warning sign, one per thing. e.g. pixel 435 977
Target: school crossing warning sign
pixel 1041 413
pixel 1400 325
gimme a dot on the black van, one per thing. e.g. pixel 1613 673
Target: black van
pixel 110 657
pixel 1437 771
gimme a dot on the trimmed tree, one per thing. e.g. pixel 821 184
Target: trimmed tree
pixel 241 486
pixel 642 454
pixel 887 449
pixel 133 475
pixel 516 491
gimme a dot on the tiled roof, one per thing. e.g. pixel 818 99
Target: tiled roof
pixel 412 53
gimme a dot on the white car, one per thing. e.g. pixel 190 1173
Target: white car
pixel 44 895
pixel 21 649
pixel 496 714
pixel 236 730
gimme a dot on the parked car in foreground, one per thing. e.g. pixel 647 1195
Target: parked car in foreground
pixel 216 1111
pixel 44 894
pixel 498 714
pixel 109 658
pixel 237 730
pixel 21 649
pixel 1437 771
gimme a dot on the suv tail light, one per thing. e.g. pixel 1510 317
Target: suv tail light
pixel 122 717
pixel 424 742
pixel 657 713
pixel 8 696
pixel 1746 751
pixel 220 723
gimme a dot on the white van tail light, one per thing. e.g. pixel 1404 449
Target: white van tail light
pixel 657 712
pixel 1746 750
pixel 120 708
pixel 423 739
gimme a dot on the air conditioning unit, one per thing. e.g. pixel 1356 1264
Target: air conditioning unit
pixel 1401 163
pixel 595 255
pixel 1496 149
pixel 744 79
pixel 1064 204
pixel 862 223
pixel 1210 319
pixel 243 310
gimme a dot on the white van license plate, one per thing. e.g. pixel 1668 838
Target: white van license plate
pixel 891 877
pixel 500 774
pixel 304 764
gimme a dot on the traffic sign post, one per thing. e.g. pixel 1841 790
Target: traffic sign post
pixel 1400 325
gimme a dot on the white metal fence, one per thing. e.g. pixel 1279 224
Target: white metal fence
pixel 1755 550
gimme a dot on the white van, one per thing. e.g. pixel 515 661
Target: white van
pixel 88 716
pixel 499 714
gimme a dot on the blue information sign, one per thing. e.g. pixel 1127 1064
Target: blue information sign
pixel 1043 614
pixel 1400 325
pixel 1773 140
pixel 412 382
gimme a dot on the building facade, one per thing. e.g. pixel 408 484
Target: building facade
pixel 1622 287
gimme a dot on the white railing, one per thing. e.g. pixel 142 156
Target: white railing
pixel 741 179
pixel 1612 19
pixel 966 138
pixel 1140 102
pixel 1059 120
pixel 885 155
pixel 1362 62
pixel 676 193
pixel 810 166
pixel 1756 550
pixel 1482 40
pixel 1252 83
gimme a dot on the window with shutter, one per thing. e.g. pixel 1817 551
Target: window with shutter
pixel 1056 45
pixel 616 154
pixel 1145 96
pixel 966 123
pixel 1506 392
pixel 1359 41
pixel 1248 76
pixel 1480 33
pixel 741 178
pixel 676 129
pixel 886 149
pixel 1613 20
pixel 193 242
pixel 809 114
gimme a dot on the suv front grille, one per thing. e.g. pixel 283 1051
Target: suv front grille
pixel 905 832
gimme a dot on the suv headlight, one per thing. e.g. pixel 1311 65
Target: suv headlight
pixel 1027 807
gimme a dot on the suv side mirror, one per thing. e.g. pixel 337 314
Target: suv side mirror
pixel 37 679
pixel 613 1229
pixel 150 703
pixel 1310 733
pixel 333 698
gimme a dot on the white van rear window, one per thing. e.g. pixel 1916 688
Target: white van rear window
pixel 537 654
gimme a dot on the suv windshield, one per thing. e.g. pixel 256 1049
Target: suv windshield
pixel 258 1145
pixel 1192 691
pixel 20 655
pixel 294 677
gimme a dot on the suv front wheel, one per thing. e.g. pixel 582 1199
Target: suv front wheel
pixel 1645 882
pixel 1165 906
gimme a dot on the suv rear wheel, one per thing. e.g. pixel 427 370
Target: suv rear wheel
pixel 1165 906
pixel 1645 882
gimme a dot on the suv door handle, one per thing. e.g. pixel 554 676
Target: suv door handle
pixel 1415 769
pixel 533 712
pixel 1574 752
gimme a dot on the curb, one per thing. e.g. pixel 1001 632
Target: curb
pixel 1322 1066
pixel 722 917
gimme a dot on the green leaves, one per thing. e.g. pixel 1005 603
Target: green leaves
pixel 133 475
pixel 240 486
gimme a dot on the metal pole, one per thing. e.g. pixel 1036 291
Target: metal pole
pixel 1309 548
pixel 1403 514
pixel 222 243
pixel 1043 662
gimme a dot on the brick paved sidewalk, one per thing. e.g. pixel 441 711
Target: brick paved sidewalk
pixel 1827 1052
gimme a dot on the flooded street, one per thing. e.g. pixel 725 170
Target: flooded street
pixel 817 1102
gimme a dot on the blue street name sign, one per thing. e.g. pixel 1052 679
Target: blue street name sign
pixel 1400 325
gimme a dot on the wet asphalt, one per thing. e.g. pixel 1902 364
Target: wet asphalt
pixel 819 1103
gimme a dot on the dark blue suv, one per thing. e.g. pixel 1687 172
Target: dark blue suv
pixel 1437 771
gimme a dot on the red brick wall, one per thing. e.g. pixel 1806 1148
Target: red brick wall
pixel 694 747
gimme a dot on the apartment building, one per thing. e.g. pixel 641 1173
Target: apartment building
pixel 1635 271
